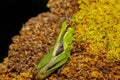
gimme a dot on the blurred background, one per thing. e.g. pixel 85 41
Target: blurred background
pixel 14 13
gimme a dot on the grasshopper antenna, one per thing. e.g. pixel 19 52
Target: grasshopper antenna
pixel 65 11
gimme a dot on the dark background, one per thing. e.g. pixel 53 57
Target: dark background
pixel 14 13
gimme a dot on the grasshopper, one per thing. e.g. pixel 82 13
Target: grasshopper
pixel 58 56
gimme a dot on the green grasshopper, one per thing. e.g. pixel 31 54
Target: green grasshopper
pixel 58 56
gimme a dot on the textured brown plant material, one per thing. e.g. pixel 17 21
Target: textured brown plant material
pixel 38 34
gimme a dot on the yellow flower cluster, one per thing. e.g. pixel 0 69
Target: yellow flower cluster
pixel 98 23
